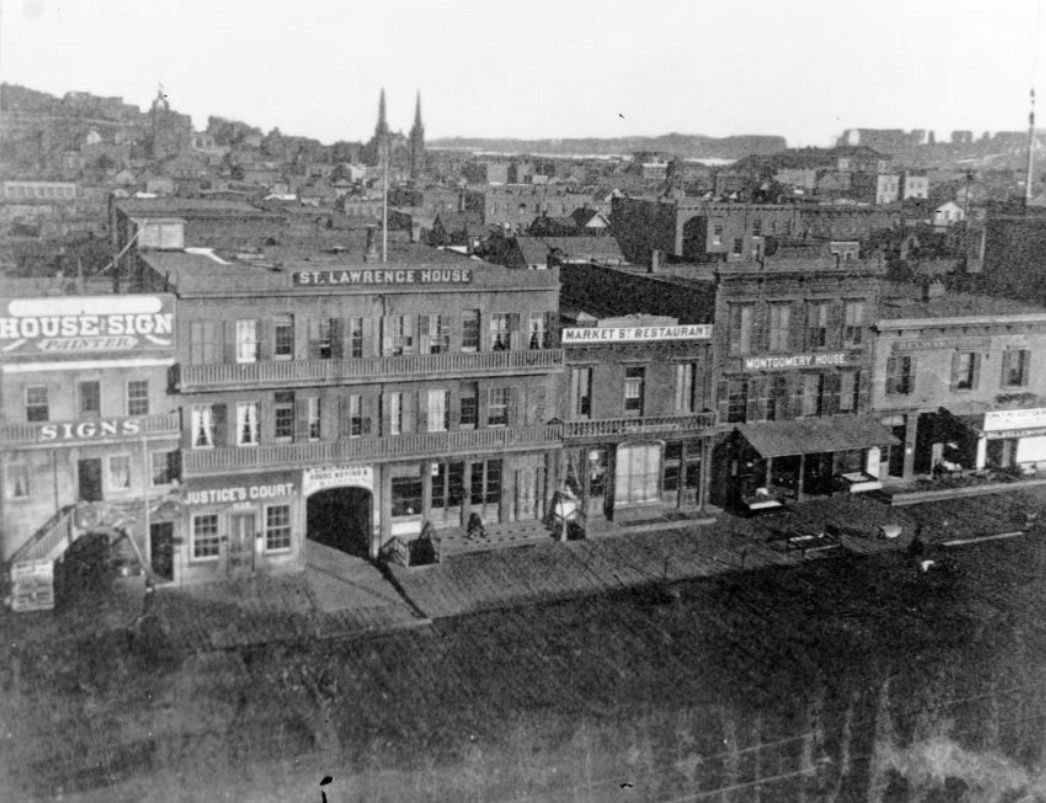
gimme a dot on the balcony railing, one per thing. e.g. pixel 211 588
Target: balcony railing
pixel 288 373
pixel 57 433
pixel 602 427
pixel 425 444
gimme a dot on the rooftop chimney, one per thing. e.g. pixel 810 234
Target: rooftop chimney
pixel 371 254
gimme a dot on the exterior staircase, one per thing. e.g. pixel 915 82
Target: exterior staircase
pixel 51 540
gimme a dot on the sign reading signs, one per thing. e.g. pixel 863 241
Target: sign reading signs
pixel 87 324
pixel 786 361
pixel 89 430
pixel 32 585
pixel 319 479
pixel 382 276
pixel 635 334
pixel 232 494
pixel 998 420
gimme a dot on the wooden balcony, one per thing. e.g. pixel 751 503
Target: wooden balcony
pixel 416 445
pixel 103 430
pixel 654 425
pixel 309 373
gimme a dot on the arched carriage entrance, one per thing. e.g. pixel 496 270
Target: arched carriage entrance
pixel 341 518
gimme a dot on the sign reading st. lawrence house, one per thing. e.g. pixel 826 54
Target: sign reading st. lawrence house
pixel 382 276
pixel 77 325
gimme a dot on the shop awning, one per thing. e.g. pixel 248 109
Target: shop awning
pixel 838 433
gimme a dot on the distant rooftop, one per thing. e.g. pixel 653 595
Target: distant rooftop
pixel 907 302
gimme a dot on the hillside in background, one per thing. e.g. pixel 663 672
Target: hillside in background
pixel 691 146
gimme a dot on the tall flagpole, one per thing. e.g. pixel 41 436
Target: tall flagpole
pixel 385 202
pixel 1031 150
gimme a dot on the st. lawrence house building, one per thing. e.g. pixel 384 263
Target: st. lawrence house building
pixel 794 359
pixel 331 396
pixel 89 437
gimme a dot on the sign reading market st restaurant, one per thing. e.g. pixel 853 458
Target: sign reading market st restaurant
pixel 76 326
pixel 585 335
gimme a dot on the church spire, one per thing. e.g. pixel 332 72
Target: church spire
pixel 382 129
pixel 417 142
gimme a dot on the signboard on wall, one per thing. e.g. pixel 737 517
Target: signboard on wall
pixel 381 276
pixel 237 490
pixel 584 335
pixel 784 362
pixel 1031 418
pixel 942 344
pixel 32 585
pixel 319 479
pixel 87 325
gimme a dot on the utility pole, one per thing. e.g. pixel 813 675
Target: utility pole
pixel 387 149
pixel 1031 151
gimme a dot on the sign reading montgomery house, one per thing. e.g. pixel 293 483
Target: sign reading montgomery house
pixel 790 361
pixel 634 334
pixel 87 324
pixel 381 276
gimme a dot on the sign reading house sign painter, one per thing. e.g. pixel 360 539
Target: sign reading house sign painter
pixel 634 334
pixel 382 276
pixel 79 325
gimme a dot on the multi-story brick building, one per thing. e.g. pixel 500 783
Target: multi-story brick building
pixel 794 367
pixel 355 402
pixel 959 380
pixel 517 205
pixel 90 439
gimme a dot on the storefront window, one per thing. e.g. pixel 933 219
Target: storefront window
pixel 406 496
pixel 277 527
pixel 205 540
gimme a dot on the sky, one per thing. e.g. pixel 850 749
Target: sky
pixel 802 69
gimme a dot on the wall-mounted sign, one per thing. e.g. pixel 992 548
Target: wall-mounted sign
pixel 32 585
pixel 943 343
pixel 1006 434
pixel 319 479
pixel 787 361
pixel 382 276
pixel 87 324
pixel 635 334
pixel 1015 419
pixel 89 430
pixel 232 494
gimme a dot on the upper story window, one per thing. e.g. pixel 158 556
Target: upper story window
pixel 283 338
pixel 817 324
pixel 37 407
pixel 853 323
pixel 206 420
pixel 435 334
pixel 736 401
pixel 1015 367
pixel 399 335
pixel 757 228
pixel 717 234
pixel 849 391
pixel 965 370
pixel 497 407
pixel 900 376
pixel 138 397
pixel 685 387
pixel 739 246
pixel 635 379
pixel 502 326
pixel 469 401
pixel 438 411
pixel 356 337
pixel 581 393
pixel 90 394
pixel 780 323
pixel 313 416
pixel 246 341
pixel 247 424
pixel 283 415
pixel 741 328
pixel 203 343
pixel 539 334
pixel 470 330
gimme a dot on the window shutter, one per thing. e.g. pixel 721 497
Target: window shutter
pixel 723 400
pixel 301 419
pixel 266 338
pixel 424 334
pixel 761 387
pixel 368 336
pixel 836 321
pixel 864 387
pixel 536 408
pixel 797 326
pixel 760 327
pixel 369 411
pixel 755 396
pixel 955 370
pixel 314 338
pixel 386 337
pixel 832 386
pixel 514 333
pixel 229 343
pixel 797 397
pixel 339 329
pixel 344 417
pixel 424 400
pixel 454 403
pixel 221 427
pixel 513 406
pixel 912 370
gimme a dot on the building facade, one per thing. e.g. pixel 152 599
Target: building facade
pixel 356 403
pixel 90 439
pixel 957 380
